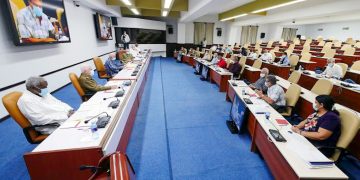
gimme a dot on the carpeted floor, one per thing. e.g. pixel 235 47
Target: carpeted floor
pixel 179 132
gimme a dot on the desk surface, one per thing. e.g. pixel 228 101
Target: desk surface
pixel 72 136
pixel 300 167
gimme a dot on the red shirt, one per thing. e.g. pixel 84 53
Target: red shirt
pixel 222 63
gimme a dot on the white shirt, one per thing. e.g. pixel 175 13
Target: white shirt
pixel 29 25
pixel 334 71
pixel 43 110
pixel 276 93
pixel 134 52
pixel 266 57
pixel 213 48
pixel 215 60
pixel 253 55
pixel 125 38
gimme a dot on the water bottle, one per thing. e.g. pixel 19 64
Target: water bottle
pixel 94 130
pixel 300 68
pixel 243 91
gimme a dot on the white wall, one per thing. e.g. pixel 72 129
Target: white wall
pixel 18 63
pixel 220 39
pixel 189 33
pixel 334 29
pixel 172 38
pixel 181 33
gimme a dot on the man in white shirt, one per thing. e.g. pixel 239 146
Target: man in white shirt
pixel 125 39
pixel 275 94
pixel 253 55
pixel 40 107
pixel 266 56
pixel 333 70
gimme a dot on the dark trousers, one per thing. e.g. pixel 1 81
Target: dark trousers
pixel 126 45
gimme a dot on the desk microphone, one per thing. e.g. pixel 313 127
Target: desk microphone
pixel 107 115
pixel 110 98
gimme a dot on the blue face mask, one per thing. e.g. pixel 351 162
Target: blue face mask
pixel 37 11
pixel 44 92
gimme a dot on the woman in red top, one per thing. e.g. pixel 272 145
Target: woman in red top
pixel 222 63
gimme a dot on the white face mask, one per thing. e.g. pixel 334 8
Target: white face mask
pixel 262 75
pixel 314 107
pixel 331 64
pixel 91 73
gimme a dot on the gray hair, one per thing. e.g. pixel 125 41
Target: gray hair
pixel 265 70
pixel 84 68
pixel 331 60
pixel 34 81
pixel 271 79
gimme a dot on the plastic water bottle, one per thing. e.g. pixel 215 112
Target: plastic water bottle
pixel 243 91
pixel 300 68
pixel 94 130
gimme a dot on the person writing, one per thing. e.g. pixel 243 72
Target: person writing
pixel 88 84
pixel 41 108
pixel 260 83
pixel 323 127
pixel 221 63
pixel 275 94
pixel 33 25
pixel 332 70
pixel 235 67
pixel 113 65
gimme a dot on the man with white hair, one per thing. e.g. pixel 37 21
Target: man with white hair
pixel 113 65
pixel 260 83
pixel 332 70
pixel 41 108
pixel 266 56
pixel 87 82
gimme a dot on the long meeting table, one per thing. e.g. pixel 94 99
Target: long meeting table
pixel 72 145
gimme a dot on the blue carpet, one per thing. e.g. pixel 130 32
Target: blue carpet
pixel 179 132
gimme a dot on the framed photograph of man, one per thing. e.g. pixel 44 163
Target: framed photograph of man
pixel 38 21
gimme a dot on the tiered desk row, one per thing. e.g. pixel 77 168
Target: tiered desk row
pixel 72 145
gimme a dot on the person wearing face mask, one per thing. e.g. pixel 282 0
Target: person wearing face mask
pixel 40 107
pixel 88 84
pixel 323 127
pixel 113 65
pixel 260 83
pixel 235 67
pixel 215 59
pixel 253 55
pixel 33 25
pixel 284 60
pixel 275 94
pixel 266 56
pixel 332 70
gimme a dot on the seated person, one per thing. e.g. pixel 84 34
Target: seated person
pixel 235 67
pixel 260 83
pixel 275 94
pixel 266 56
pixel 207 56
pixel 228 49
pixel 197 52
pixel 243 51
pixel 40 107
pixel 215 59
pixel 323 127
pixel 191 52
pixel 182 52
pixel 332 70
pixel 134 51
pixel 113 65
pixel 124 56
pixel 221 63
pixel 213 48
pixel 88 84
pixel 252 54
pixel 284 60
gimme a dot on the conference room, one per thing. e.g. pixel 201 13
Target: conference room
pixel 180 89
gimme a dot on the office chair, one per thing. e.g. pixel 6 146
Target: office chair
pixel 330 53
pixel 357 45
pixel 344 68
pixel 305 56
pixel 294 60
pixel 306 48
pixel 322 87
pixel 337 43
pixel 269 45
pixel 345 46
pixel 292 96
pixel 349 51
pixel 321 43
pixel 294 77
pixel 325 48
pixel 75 82
pixel 350 123
pixel 356 66
pixel 100 68
pixel 257 64
pixel 32 136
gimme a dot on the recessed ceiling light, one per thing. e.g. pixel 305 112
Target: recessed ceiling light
pixel 126 2
pixel 167 4
pixel 233 17
pixel 135 11
pixel 165 13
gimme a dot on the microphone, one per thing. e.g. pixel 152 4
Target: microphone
pixel 121 92
pixel 114 104
pixel 107 115
pixel 110 98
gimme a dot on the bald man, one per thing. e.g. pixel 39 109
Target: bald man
pixel 87 82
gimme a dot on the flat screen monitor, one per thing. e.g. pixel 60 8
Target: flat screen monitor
pixel 141 36
pixel 103 27
pixel 38 21
pixel 239 113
